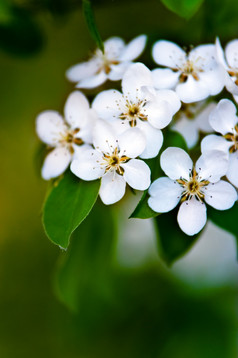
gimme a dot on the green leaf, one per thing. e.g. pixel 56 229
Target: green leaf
pixel 66 206
pixel 143 211
pixel 89 16
pixel 226 219
pixel 183 8
pixel 172 242
pixel 83 274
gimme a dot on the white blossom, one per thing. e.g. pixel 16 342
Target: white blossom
pixel 110 65
pixel 192 186
pixel 113 160
pixel 65 136
pixel 139 106
pixel 192 119
pixel 229 60
pixel 194 75
pixel 224 121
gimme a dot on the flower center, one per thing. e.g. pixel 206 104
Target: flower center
pixel 234 74
pixel 193 187
pixel 133 111
pixel 189 68
pixel 233 137
pixel 105 62
pixel 113 161
pixel 68 139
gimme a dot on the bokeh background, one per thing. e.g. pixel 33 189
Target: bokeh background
pixel 112 297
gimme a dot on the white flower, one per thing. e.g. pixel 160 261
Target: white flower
pixel 192 119
pixel 65 136
pixel 113 160
pixel 223 120
pixel 192 186
pixel 195 75
pixel 229 61
pixel 108 65
pixel 139 106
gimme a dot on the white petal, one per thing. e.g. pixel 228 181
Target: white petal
pixel 134 48
pixel 232 173
pixel 212 165
pixel 176 163
pixel 136 76
pixel 159 113
pixel 215 142
pixel 168 54
pixel 221 195
pixel 104 138
pixel 113 47
pixel 50 127
pixel 87 166
pixel 223 118
pixel 220 54
pixel 79 150
pixel 165 195
pixel 235 98
pixel 188 129
pixel 204 57
pixel 171 97
pixel 132 142
pixel 231 86
pixel 56 162
pixel 76 109
pixel 112 188
pixel 82 70
pixel 231 52
pixel 108 104
pixel 154 140
pixel 214 80
pixel 164 78
pixel 192 216
pixel 137 174
pixel 202 117
pixel 117 71
pixel 93 81
pixel 192 90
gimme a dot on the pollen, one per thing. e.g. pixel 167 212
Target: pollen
pixel 193 187
pixel 233 137
pixel 113 161
pixel 133 112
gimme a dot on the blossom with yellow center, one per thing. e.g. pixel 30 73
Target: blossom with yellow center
pixel 192 186
pixel 114 161
pixel 224 121
pixel 66 135
pixel 138 106
pixel 194 75
pixel 111 64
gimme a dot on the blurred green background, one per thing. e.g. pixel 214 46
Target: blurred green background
pixel 112 297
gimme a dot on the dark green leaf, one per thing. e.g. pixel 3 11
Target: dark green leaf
pixel 89 16
pixel 82 277
pixel 66 206
pixel 143 211
pixel 173 243
pixel 183 8
pixel 226 219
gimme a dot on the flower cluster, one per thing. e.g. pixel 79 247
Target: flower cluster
pixel 112 138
